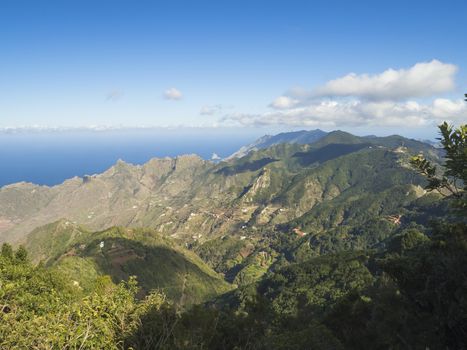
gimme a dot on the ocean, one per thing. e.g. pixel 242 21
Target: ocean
pixel 49 158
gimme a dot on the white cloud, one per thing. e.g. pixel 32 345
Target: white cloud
pixel 210 110
pixel 284 102
pixel 443 108
pixel 173 94
pixel 391 98
pixel 358 113
pixel 422 79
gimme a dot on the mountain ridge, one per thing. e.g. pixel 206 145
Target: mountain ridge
pixel 299 137
pixel 194 199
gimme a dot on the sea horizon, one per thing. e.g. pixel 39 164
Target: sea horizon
pixel 49 158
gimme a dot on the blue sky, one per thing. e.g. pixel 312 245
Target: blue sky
pixel 225 63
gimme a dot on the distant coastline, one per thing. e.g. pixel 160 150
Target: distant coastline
pixel 48 157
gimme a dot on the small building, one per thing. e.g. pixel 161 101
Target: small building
pixel 299 232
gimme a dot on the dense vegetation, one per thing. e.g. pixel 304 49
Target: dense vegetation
pixel 380 266
pixel 42 309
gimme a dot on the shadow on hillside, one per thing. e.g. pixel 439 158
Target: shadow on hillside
pixel 328 152
pixel 156 267
pixel 213 327
pixel 248 166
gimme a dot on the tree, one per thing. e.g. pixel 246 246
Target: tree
pixel 21 254
pixel 432 275
pixel 453 181
pixel 7 251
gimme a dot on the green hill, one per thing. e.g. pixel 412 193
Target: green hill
pixel 46 242
pixel 157 262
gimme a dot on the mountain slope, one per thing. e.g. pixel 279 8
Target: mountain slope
pixel 193 200
pixel 45 242
pixel 157 262
pixel 299 137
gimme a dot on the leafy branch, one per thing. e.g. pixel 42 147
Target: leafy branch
pixel 453 181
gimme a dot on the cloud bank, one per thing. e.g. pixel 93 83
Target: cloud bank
pixel 421 80
pixel 357 113
pixel 391 98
